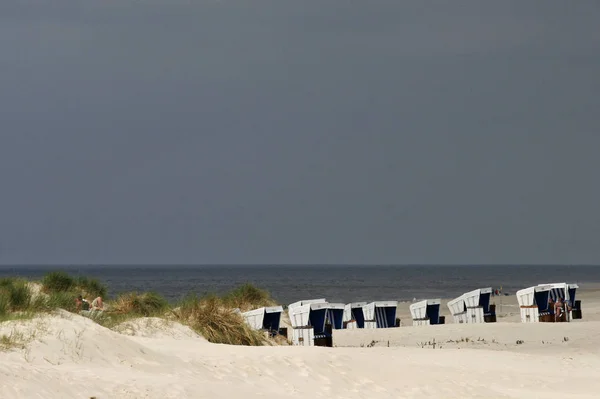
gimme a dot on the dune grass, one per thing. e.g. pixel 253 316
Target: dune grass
pixel 212 316
pixel 4 305
pixel 146 304
pixel 16 291
pixel 60 300
pixel 18 302
pixel 91 286
pixel 248 297
pixel 10 341
pixel 59 290
pixel 15 298
pixel 60 281
pixel 215 320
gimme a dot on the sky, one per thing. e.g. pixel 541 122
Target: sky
pixel 295 132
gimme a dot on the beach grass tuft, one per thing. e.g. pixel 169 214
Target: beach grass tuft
pixel 145 304
pixel 247 297
pixel 59 300
pixel 19 298
pixel 4 305
pixel 19 295
pixel 58 281
pixel 14 340
pixel 214 318
pixel 15 296
pixel 91 286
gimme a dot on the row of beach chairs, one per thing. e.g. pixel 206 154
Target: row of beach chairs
pixel 313 321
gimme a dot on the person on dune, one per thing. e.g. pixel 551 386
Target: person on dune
pixel 97 304
pixel 81 304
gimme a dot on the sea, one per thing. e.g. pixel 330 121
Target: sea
pixel 336 283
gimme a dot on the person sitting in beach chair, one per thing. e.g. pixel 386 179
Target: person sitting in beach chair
pixel 558 310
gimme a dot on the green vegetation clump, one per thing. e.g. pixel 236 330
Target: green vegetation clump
pixel 7 281
pixel 20 295
pixel 15 295
pixel 58 282
pixel 62 282
pixel 60 300
pixel 58 291
pixel 16 299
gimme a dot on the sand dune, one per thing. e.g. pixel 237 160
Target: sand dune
pixel 69 356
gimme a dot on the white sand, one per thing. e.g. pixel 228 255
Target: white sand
pixel 70 356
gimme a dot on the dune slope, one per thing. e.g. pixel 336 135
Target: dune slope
pixel 71 356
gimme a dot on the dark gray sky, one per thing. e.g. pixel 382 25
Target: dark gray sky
pixel 282 131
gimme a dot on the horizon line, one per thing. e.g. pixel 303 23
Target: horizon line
pixel 295 264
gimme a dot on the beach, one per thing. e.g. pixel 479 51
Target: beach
pixel 65 355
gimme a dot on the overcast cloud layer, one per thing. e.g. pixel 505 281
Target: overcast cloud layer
pixel 239 131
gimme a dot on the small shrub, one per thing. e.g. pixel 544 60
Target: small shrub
pixel 58 282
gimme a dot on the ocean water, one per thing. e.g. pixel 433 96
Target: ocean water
pixel 288 284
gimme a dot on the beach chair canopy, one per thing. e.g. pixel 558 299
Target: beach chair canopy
pixel 427 309
pixel 272 318
pixel 354 311
pixel 265 318
pixel 335 315
pixel 316 313
pixel 457 305
pixel 535 296
pixel 306 302
pixel 477 298
pixel 564 291
pixel 299 315
pixel 254 318
pixel 382 312
pixel 323 313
